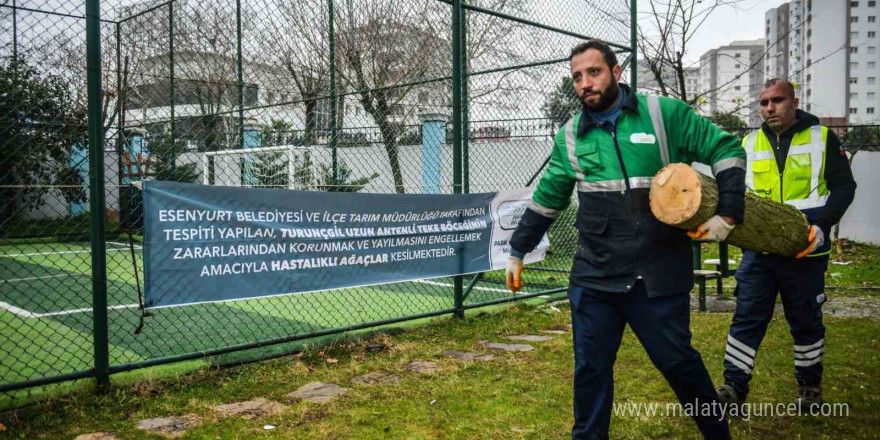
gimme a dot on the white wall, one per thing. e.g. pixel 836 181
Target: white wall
pixel 506 165
pixel 862 221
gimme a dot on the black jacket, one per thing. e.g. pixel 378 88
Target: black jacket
pixel 838 174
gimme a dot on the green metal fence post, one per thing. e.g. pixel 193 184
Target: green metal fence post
pixel 14 31
pixel 120 118
pixel 633 37
pixel 334 96
pixel 465 108
pixel 171 71
pixel 240 76
pixel 96 192
pixel 458 291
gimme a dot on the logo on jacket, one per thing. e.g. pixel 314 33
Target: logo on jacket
pixel 642 138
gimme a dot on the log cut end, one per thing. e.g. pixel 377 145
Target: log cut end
pixel 676 193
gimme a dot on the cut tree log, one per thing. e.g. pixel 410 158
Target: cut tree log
pixel 684 198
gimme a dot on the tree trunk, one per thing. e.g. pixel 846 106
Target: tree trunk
pixel 684 198
pixel 389 135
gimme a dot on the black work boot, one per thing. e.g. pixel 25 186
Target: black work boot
pixel 809 395
pixel 728 394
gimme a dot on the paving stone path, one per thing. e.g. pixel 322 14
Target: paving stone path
pixel 422 367
pixel 505 347
pixel 849 306
pixel 171 427
pixel 528 338
pixel 252 409
pixel 468 356
pixel 97 436
pixel 380 377
pixel 554 332
pixel 318 392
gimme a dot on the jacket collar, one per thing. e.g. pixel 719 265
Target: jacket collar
pixel 587 121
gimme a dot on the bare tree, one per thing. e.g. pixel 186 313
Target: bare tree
pixel 664 38
pixel 384 47
pixel 299 37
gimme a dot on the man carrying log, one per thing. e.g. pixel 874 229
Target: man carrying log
pixel 792 160
pixel 629 267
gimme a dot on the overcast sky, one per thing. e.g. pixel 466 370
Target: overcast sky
pixel 726 24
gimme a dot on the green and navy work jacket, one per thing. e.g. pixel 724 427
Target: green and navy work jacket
pixel 620 242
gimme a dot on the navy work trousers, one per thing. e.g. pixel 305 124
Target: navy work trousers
pixel 663 326
pixel 801 284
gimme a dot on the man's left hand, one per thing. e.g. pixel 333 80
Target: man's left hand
pixel 817 239
pixel 715 229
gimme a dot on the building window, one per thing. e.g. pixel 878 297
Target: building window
pixel 736 67
pixel 853 110
pixel 854 19
pixel 871 96
pixel 853 65
pixel 853 50
pixel 871 80
pixel 872 49
pixel 870 110
pixel 872 3
pixel 872 65
pixel 853 95
pixel 872 19
pixel 872 34
pixel 855 80
pixel 853 35
pixel 854 4
pixel 737 55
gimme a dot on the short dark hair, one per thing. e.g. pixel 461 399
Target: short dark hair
pixel 601 46
pixel 788 85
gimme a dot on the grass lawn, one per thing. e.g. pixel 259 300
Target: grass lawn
pixel 518 395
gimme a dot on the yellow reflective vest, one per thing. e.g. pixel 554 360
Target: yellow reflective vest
pixel 802 183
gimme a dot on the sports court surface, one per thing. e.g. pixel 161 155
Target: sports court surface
pixel 46 315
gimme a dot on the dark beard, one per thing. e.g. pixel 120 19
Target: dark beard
pixel 606 98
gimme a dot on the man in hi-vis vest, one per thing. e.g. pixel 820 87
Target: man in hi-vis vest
pixel 793 160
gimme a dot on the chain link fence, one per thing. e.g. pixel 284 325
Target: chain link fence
pixel 374 96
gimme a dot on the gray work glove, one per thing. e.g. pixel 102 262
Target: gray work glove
pixel 715 229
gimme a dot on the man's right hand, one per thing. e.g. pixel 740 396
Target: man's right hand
pixel 716 228
pixel 514 274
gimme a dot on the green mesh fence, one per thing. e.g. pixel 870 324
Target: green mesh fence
pixel 317 95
